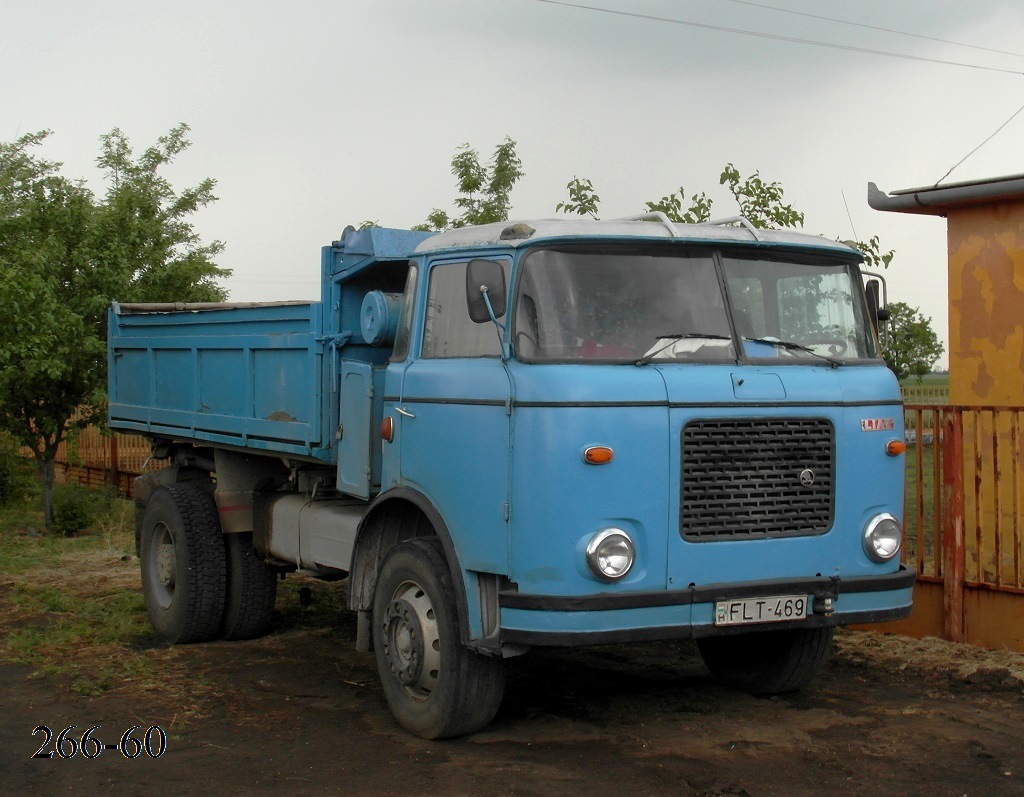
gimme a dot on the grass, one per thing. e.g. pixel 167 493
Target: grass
pixel 71 607
pixel 928 380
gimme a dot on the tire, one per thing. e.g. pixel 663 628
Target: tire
pixel 435 687
pixel 251 590
pixel 767 662
pixel 181 554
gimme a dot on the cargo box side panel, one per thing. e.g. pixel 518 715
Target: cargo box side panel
pixel 242 376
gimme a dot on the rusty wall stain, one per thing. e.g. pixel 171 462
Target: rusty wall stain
pixel 986 304
pixel 983 382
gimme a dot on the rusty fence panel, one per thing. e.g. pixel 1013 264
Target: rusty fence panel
pixel 924 507
pixel 963 524
pixel 953 525
pixel 965 465
pixel 992 500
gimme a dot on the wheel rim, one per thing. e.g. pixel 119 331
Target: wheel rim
pixel 412 645
pixel 163 565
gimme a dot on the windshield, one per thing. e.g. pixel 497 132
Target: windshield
pixel 618 305
pixel 779 302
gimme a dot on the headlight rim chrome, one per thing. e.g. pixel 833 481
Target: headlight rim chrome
pixel 595 553
pixel 868 538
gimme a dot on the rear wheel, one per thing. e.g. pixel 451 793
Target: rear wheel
pixel 435 687
pixel 181 554
pixel 767 662
pixel 251 591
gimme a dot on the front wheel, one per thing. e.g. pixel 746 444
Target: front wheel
pixel 767 662
pixel 435 687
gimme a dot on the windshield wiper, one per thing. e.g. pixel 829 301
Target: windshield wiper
pixel 788 345
pixel 676 337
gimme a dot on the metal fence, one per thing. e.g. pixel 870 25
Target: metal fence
pixel 925 394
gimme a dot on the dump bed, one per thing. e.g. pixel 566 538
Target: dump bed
pixel 247 375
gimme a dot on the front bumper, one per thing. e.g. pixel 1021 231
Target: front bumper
pixel 609 617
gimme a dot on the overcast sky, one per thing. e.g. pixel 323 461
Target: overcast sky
pixel 315 114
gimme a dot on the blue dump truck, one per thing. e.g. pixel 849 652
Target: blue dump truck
pixel 555 432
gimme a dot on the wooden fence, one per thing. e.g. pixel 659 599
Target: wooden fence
pixel 100 459
pixel 964 515
pixel 964 530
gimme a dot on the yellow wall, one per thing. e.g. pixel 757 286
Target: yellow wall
pixel 986 305
pixel 986 369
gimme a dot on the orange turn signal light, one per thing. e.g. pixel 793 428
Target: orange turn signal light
pixel 895 447
pixel 598 455
pixel 387 429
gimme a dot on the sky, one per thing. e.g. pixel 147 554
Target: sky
pixel 315 114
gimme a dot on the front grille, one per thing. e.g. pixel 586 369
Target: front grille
pixel 746 478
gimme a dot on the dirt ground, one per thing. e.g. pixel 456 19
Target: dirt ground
pixel 299 712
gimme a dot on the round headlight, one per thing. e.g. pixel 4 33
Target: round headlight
pixel 883 538
pixel 610 554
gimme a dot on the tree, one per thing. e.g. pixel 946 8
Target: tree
pixel 484 190
pixel 142 234
pixel 63 257
pixel 760 202
pixel 583 201
pixel 874 257
pixel 672 206
pixel 913 345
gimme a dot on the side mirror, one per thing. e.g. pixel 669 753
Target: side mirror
pixel 877 312
pixel 872 290
pixel 485 278
pixel 875 308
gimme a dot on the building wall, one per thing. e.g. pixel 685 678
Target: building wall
pixel 986 304
pixel 986 369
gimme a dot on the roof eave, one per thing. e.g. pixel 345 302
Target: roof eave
pixel 938 201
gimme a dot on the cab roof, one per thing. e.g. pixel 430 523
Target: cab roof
pixel 651 227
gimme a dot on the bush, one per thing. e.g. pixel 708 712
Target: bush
pixel 76 508
pixel 15 471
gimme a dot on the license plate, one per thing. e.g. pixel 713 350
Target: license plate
pixel 769 609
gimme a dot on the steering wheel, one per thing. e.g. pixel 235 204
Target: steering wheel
pixel 836 346
pixel 523 334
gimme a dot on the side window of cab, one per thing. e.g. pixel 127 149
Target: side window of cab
pixel 448 330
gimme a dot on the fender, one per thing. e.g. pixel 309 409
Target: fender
pixel 362 580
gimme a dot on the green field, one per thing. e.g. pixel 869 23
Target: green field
pixel 930 389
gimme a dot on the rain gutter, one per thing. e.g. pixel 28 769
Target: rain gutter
pixel 938 200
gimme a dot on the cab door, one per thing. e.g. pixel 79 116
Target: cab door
pixel 454 406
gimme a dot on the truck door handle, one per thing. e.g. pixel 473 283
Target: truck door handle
pixel 406 413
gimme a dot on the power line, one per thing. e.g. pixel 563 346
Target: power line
pixel 876 27
pixel 776 37
pixel 848 215
pixel 983 143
